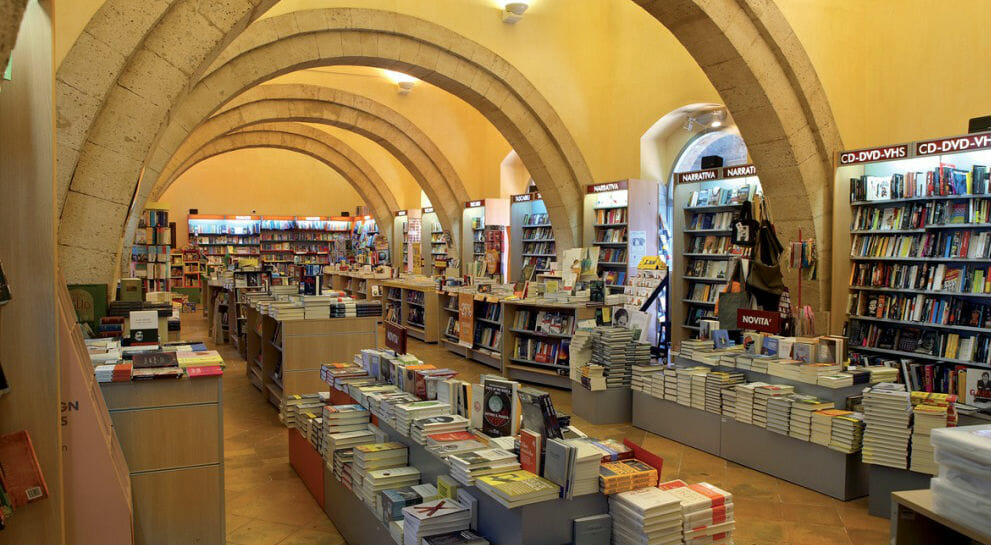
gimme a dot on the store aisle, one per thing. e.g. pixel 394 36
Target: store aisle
pixel 267 504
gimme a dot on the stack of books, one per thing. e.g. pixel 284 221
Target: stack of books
pixel 378 480
pixel 374 456
pixel 468 466
pixel 847 434
pixel 610 350
pixel 670 385
pixel 407 413
pixel 927 418
pixel 837 380
pixel 822 425
pixel 779 414
pixel 745 401
pixel 685 383
pixel 460 537
pixel 432 518
pixel 344 418
pixel 698 391
pixel 113 373
pixel 518 488
pixel 354 309
pixel 888 417
pixel 624 475
pixel 337 441
pixel 431 425
pixel 584 474
pixel 728 396
pixel 802 408
pixel 881 373
pixel 394 500
pixel 761 395
pixel 643 377
pixel 341 458
pixel 593 377
pixel 706 512
pixel 715 383
pixel 646 515
pixel 453 443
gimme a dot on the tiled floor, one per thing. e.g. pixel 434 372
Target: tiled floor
pixel 268 505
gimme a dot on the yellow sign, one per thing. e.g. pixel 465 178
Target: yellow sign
pixel 651 263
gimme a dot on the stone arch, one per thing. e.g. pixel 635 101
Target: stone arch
pixel 749 52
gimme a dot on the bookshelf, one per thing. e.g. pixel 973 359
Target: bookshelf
pixel 223 239
pixel 364 233
pixel 400 241
pixel 191 273
pixel 151 252
pixel 623 233
pixel 486 344
pixel 245 281
pixel 535 340
pixel 278 245
pixel 533 239
pixel 911 229
pixel 710 200
pixel 483 226
pixel 435 243
pixel 176 269
pixel 414 306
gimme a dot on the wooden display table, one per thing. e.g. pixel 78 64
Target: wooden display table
pixel 412 298
pixel 172 436
pixel 297 348
pixel 913 522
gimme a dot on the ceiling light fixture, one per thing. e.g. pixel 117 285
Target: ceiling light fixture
pixel 403 81
pixel 512 12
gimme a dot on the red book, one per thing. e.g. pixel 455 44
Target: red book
pixel 530 451
pixel 453 436
pixel 21 472
pixel 204 371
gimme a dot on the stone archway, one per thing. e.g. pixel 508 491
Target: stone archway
pixel 764 76
pixel 282 44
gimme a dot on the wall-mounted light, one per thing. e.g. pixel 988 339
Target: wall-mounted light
pixel 706 119
pixel 403 81
pixel 512 12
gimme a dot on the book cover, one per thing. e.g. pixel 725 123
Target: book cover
pixel 498 407
pixel 530 451
pixel 22 477
pixel 204 371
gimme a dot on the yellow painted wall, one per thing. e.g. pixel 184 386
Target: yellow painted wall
pixel 893 70
pixel 272 181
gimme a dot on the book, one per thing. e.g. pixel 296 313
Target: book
pixel 22 479
pixel 530 451
pixel 499 407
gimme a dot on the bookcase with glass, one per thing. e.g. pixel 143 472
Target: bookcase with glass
pixel 709 201
pixel 150 253
pixel 532 242
pixel 483 227
pixel 911 234
pixel 623 233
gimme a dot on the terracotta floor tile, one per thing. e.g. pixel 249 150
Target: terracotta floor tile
pixel 234 522
pixel 259 532
pixel 307 536
pixel 817 534
pixel 869 537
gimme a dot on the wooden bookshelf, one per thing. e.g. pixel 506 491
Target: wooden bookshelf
pixel 415 300
pixel 480 217
pixel 532 241
pixel 435 247
pixel 610 221
pixel 484 307
pixel 527 369
pixel 908 237
pixel 705 241
pixel 152 248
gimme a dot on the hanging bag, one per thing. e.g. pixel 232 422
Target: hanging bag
pixel 732 299
pixel 766 282
pixel 745 227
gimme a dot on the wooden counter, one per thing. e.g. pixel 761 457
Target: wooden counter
pixel 171 433
pixel 913 522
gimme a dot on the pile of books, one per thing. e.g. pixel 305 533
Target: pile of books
pixel 761 395
pixel 573 464
pixel 405 414
pixel 337 441
pixel 888 417
pixel 394 500
pixel 802 408
pixel 643 377
pixel 670 389
pixel 294 405
pixel 430 425
pixel 698 391
pixel 646 515
pixel 706 512
pixel 113 373
pixel 728 399
pixel 822 425
pixel 432 518
pixel 623 475
pixel 518 488
pixel 345 418
pixel 593 377
pixel 611 350
pixel 779 414
pixel 715 382
pixel 962 491
pixel 468 466
pixel 459 537
pixel 341 458
pixel 847 433
pixel 744 410
pixel 377 480
pixel 354 309
pixel 927 418
pixel 685 375
pixel 453 443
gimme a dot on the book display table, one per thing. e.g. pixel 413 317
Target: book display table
pixel 914 522
pixel 842 476
pixel 171 433
pixel 609 406
pixel 884 480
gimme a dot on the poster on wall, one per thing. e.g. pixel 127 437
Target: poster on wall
pixel 638 246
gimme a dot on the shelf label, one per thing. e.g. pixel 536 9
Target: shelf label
pixel 466 317
pixel 609 186
pixel 395 337
pixel 401 213
pixel 428 210
pixel 740 171
pixel 758 320
pixel 474 204
pixel 952 145
pixel 871 155
pixel 698 176
pixel 527 197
